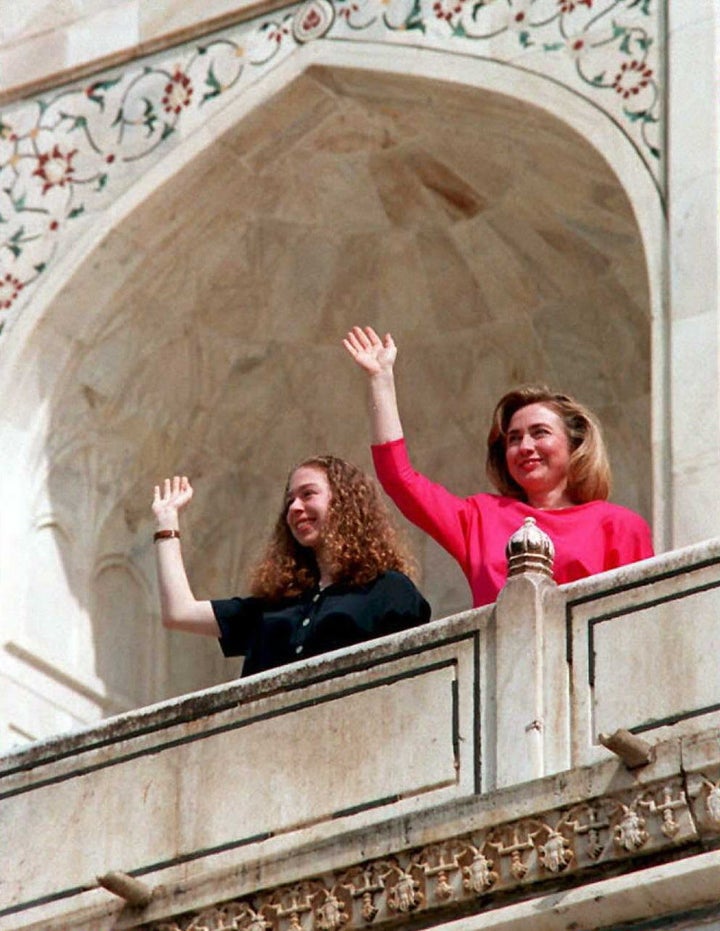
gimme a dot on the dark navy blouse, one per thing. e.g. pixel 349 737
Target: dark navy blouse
pixel 270 635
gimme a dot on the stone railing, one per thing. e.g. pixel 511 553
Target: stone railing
pixel 633 649
pixel 180 805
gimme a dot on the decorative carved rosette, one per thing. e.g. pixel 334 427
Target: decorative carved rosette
pixel 712 802
pixel 703 794
pixel 556 852
pixel 478 875
pixel 404 889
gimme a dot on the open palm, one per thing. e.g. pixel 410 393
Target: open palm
pixel 371 353
pixel 171 496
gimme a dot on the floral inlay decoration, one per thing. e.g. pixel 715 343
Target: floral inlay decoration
pixel 67 154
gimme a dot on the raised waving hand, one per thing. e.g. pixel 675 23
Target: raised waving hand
pixel 377 357
pixel 179 608
pixel 169 498
pixel 371 353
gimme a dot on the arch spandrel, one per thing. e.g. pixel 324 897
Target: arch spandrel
pixel 67 154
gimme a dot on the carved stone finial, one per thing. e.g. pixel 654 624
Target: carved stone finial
pixel 530 549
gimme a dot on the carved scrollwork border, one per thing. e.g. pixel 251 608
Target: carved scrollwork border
pixel 475 866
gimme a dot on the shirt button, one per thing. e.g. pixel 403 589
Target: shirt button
pixel 316 596
pixel 299 649
pixel 306 622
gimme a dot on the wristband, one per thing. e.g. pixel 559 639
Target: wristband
pixel 165 535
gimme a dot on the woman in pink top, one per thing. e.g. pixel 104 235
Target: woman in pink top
pixel 547 459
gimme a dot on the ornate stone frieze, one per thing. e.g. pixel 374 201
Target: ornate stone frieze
pixel 703 790
pixel 712 802
pixel 477 866
pixel 67 154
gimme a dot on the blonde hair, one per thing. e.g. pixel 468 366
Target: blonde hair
pixel 589 476
pixel 360 537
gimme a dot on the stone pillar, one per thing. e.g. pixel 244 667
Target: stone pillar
pixel 693 173
pixel 531 669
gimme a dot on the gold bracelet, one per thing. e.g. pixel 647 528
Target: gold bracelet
pixel 165 535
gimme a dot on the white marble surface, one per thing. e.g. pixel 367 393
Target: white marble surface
pixel 45 41
pixel 243 791
pixel 541 265
pixel 693 271
pixel 299 760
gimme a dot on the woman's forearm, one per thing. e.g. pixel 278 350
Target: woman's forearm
pixel 385 424
pixel 179 608
pixel 376 357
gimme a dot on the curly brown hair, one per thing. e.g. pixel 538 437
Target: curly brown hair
pixel 360 536
pixel 589 477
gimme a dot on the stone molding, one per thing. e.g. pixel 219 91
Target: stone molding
pixel 136 40
pixel 610 831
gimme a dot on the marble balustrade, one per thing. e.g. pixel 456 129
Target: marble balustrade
pixel 494 712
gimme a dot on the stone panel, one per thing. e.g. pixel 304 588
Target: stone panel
pixel 643 655
pixel 399 733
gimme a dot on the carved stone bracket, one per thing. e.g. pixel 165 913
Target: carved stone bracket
pixel 608 829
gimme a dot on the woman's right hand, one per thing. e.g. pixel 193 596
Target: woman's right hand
pixel 169 498
pixel 374 355
pixel 179 608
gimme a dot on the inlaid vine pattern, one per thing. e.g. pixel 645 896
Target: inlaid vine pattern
pixel 67 154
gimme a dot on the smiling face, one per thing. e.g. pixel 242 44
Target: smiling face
pixel 308 505
pixel 537 453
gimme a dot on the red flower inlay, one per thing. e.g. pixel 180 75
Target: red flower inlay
pixel 178 93
pixel 55 168
pixel 278 34
pixel 568 6
pixel 632 77
pixel 446 9
pixel 10 287
pixel 312 19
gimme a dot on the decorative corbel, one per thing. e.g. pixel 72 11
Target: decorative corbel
pixel 126 887
pixel 632 750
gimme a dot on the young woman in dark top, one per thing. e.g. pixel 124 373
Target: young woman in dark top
pixel 334 572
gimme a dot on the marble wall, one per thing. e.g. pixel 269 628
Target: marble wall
pixel 442 774
pixel 693 273
pixel 189 237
